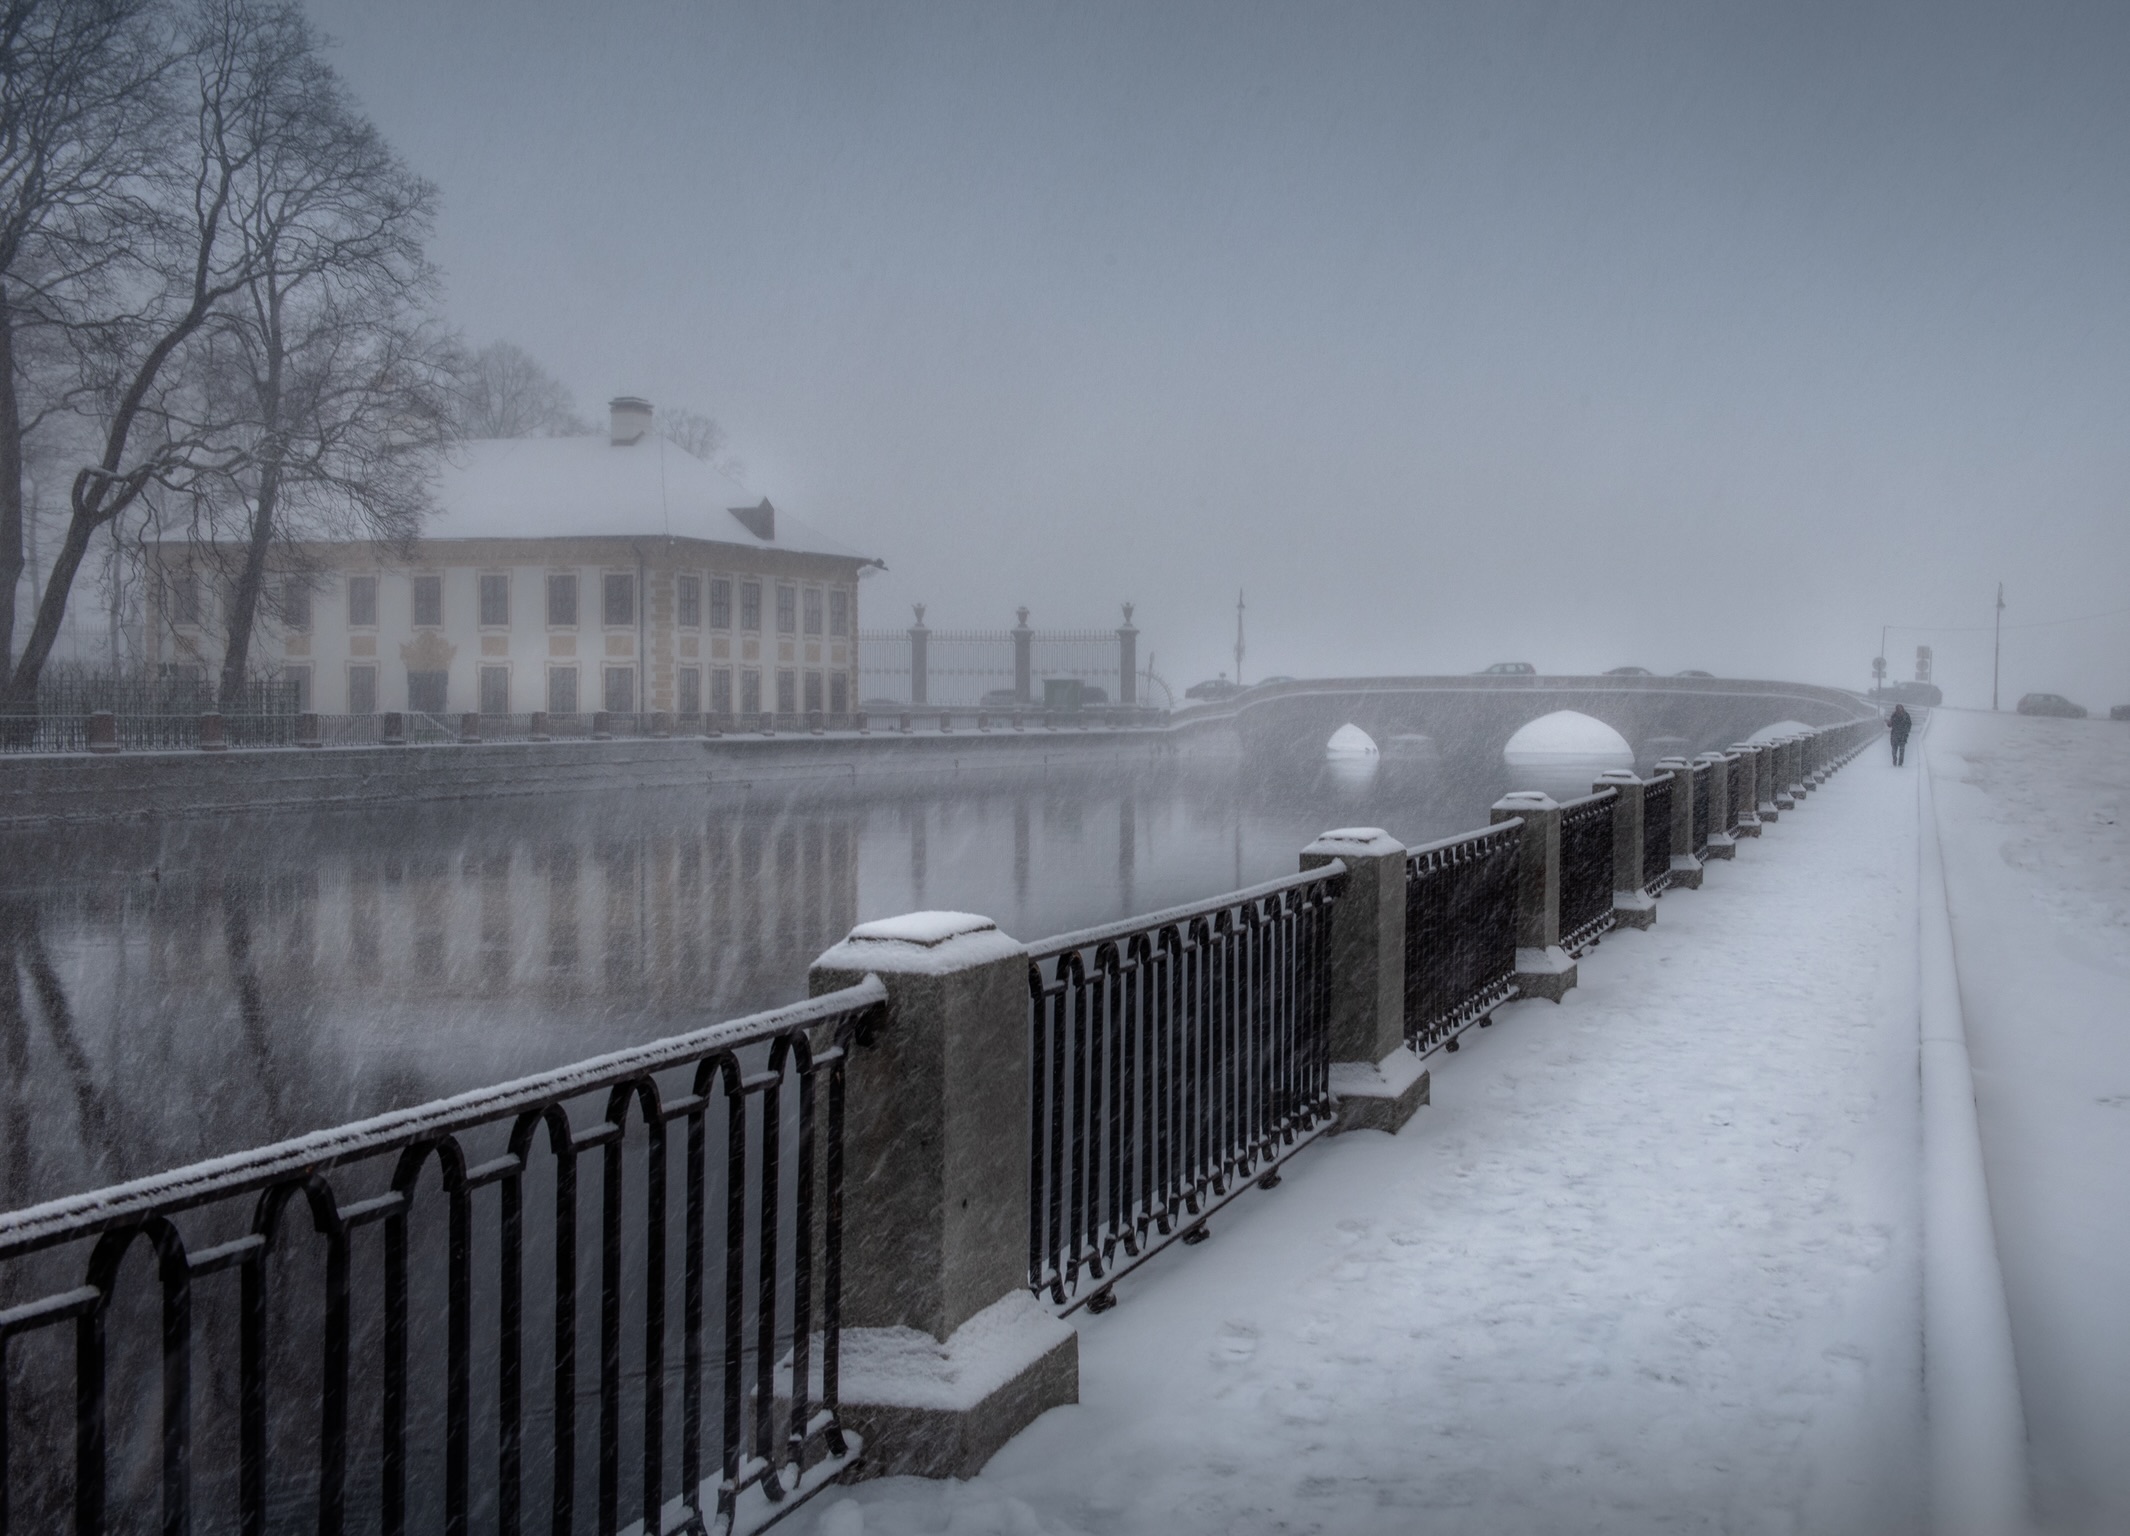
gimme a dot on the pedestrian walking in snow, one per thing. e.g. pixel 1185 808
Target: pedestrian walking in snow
pixel 1900 724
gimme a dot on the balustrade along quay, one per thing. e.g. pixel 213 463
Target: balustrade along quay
pixel 832 1240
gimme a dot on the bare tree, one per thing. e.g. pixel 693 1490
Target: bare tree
pixel 504 392
pixel 325 384
pixel 83 104
pixel 180 264
pixel 693 432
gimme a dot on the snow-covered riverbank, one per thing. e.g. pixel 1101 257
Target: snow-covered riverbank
pixel 1649 1263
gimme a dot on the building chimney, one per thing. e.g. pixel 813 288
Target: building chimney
pixel 760 521
pixel 630 418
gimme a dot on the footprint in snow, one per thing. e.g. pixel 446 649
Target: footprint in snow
pixel 1235 1345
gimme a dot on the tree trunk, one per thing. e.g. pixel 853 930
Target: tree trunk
pixel 251 581
pixel 10 486
pixel 52 609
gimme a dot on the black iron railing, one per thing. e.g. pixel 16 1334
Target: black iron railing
pixel 1586 870
pixel 1460 932
pixel 1701 783
pixel 1175 1058
pixel 1656 834
pixel 422 1350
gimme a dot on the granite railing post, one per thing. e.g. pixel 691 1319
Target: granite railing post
pixel 1023 658
pixel 1378 1082
pixel 470 728
pixel 102 731
pixel 1785 761
pixel 1721 845
pixel 1127 659
pixel 537 730
pixel 946 1354
pixel 1632 904
pixel 1763 761
pixel 1543 968
pixel 308 732
pixel 1685 868
pixel 920 644
pixel 1748 790
pixel 392 729
pixel 214 732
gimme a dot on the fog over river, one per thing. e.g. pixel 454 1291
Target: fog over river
pixel 182 990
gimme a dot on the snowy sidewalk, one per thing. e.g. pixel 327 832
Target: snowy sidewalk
pixel 2034 820
pixel 1648 1264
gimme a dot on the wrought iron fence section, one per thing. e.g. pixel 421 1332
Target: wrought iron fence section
pixel 1460 932
pixel 715 1161
pixel 1656 833
pixel 1586 870
pixel 1174 1057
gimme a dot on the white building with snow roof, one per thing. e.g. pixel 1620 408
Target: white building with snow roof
pixel 565 574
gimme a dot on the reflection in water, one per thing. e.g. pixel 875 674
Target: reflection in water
pixel 170 993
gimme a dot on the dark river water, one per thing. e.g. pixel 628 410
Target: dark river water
pixel 175 992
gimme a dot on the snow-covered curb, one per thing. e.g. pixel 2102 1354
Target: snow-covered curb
pixel 1977 1426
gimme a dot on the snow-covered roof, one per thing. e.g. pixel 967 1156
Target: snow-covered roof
pixel 587 487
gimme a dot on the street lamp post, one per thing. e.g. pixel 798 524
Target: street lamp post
pixel 1996 656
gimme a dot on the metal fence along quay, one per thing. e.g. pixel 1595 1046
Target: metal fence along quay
pixel 1586 869
pixel 1656 835
pixel 679 1288
pixel 1460 932
pixel 329 1327
pixel 1175 1057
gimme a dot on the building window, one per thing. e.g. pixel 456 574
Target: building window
pixel 495 600
pixel 362 690
pixel 426 691
pixel 691 690
pixel 562 606
pixel 562 687
pixel 839 695
pixel 813 692
pixel 813 610
pixel 787 610
pixel 839 612
pixel 617 600
pixel 362 605
pixel 721 602
pixel 688 600
pixel 301 678
pixel 721 692
pixel 750 693
pixel 787 692
pixel 750 605
pixel 183 596
pixel 428 602
pixel 296 604
pixel 620 690
pixel 495 690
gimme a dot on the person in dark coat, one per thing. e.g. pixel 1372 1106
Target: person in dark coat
pixel 1900 724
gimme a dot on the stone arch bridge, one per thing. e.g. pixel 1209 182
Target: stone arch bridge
pixel 1470 719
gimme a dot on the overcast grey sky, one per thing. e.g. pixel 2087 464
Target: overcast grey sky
pixel 1704 335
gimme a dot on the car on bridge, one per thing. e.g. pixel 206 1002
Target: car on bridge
pixel 1508 669
pixel 1629 672
pixel 2051 704
pixel 1212 690
pixel 2120 712
pixel 1693 672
